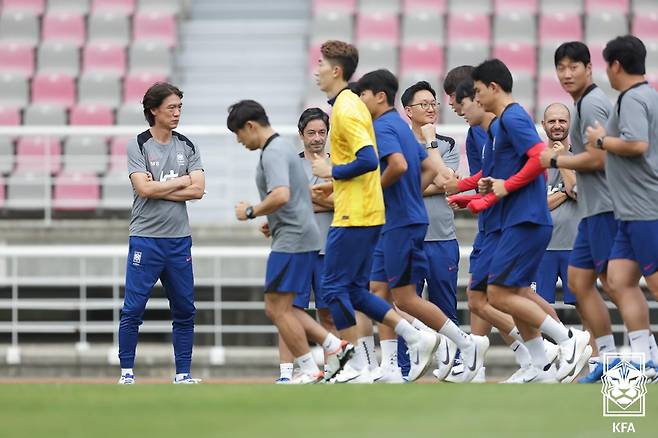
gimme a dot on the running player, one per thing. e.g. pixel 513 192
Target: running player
pixel 286 201
pixel 630 141
pixel 358 216
pixel 165 171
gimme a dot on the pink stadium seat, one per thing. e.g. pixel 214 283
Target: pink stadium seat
pixel 382 28
pixel 34 153
pixel 9 116
pixel 645 27
pixel 524 6
pixel 136 84
pixel 124 7
pixel 519 57
pixel 421 57
pixel 76 191
pixel 550 90
pixel 35 7
pixel 16 58
pixel 434 6
pixel 618 6
pixel 118 159
pixel 53 88
pixel 342 6
pixel 469 28
pixel 313 56
pixel 104 57
pixel 596 54
pixel 559 27
pixel 91 115
pixel 155 27
pixel 66 27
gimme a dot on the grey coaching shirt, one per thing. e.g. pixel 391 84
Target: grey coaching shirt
pixel 441 217
pixel 565 216
pixel 158 217
pixel 322 219
pixel 634 180
pixel 292 226
pixel 593 193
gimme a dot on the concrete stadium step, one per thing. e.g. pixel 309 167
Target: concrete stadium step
pixel 254 9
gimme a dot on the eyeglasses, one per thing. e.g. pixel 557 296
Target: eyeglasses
pixel 426 105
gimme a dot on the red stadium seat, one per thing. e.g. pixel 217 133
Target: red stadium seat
pixel 550 91
pixel 474 28
pixel 136 84
pixel 118 154
pixel 38 154
pixel 155 27
pixel 9 116
pixel 64 27
pixel 523 6
pixel 16 58
pixel 381 28
pixel 104 57
pixel 35 7
pixel 559 27
pixel 432 6
pixel 519 57
pixel 422 58
pixel 91 115
pixel 124 7
pixel 645 26
pixel 617 6
pixel 76 191
pixel 326 6
pixel 53 88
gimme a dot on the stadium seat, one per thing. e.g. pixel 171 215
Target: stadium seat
pixel 58 58
pixel 379 6
pixel 35 7
pixel 547 58
pixel 645 26
pixel 559 27
pixel 155 27
pixel 427 58
pixel 109 27
pixel 328 6
pixel 69 6
pixel 17 59
pixel 519 6
pixel 602 27
pixel 45 114
pixel 652 58
pixel 76 191
pixel 53 88
pixel 6 155
pixel 596 54
pixel 461 6
pixel 164 6
pixel 429 6
pixel 2 192
pixel 551 6
pixel 9 116
pixel 332 25
pixel 136 84
pixel 99 88
pixel 38 154
pixel 469 27
pixel 124 7
pixel 423 26
pixel 130 114
pixel 374 56
pixel 150 57
pixel 85 154
pixel 13 90
pixel 466 54
pixel 313 56
pixel 64 27
pixel 117 192
pixel 520 58
pixel 644 6
pixel 118 155
pixel 104 58
pixel 378 28
pixel 91 114
pixel 512 27
pixel 524 87
pixel 19 27
pixel 614 6
pixel 549 91
pixel 28 191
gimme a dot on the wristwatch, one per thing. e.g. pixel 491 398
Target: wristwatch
pixel 249 212
pixel 554 161
pixel 433 145
pixel 599 142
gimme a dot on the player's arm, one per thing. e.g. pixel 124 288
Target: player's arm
pixel 396 165
pixel 556 199
pixel 569 179
pixel 193 191
pixel 633 127
pixel 321 203
pixel 624 148
pixel 590 160
pixel 145 187
pixel 428 173
pixel 275 199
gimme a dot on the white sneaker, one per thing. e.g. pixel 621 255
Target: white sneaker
pixel 517 377
pixel 580 364
pixel 186 380
pixel 481 376
pixel 127 379
pixel 534 374
pixel 456 373
pixel 389 375
pixel 307 379
pixel 571 353
pixel 337 360
pixel 420 354
pixel 376 373
pixel 473 356
pixel 445 358
pixel 351 375
pixel 552 350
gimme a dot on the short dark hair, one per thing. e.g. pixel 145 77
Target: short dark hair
pixel 629 51
pixel 573 50
pixel 244 111
pixel 344 54
pixel 155 95
pixel 465 89
pixel 455 76
pixel 410 92
pixel 378 81
pixel 494 70
pixel 309 115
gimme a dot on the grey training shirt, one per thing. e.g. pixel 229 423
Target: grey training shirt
pixel 292 226
pixel 634 180
pixel 565 216
pixel 441 217
pixel 324 218
pixel 179 157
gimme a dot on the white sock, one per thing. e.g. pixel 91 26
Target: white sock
pixel 307 364
pixel 653 349
pixel 516 334
pixel 455 334
pixel 389 352
pixel 555 330
pixel 420 325
pixel 537 352
pixel 285 370
pixel 359 360
pixel 639 340
pixel 368 343
pixel 521 354
pixel 593 361
pixel 181 376
pixel 407 331
pixel 605 344
pixel 125 371
pixel 331 343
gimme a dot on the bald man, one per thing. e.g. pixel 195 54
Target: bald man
pixel 561 188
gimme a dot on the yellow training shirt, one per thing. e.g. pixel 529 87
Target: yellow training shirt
pixel 359 201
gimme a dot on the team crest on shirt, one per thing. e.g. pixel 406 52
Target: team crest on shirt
pixel 180 158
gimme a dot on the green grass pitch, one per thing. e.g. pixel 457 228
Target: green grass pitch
pixel 250 410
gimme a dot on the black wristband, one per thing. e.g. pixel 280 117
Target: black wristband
pixel 554 162
pixel 249 212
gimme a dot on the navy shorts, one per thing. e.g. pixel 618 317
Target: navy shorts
pixel 399 257
pixel 303 299
pixel 480 270
pixel 443 260
pixel 596 235
pixel 554 264
pixel 477 248
pixel 638 241
pixel 518 254
pixel 289 271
